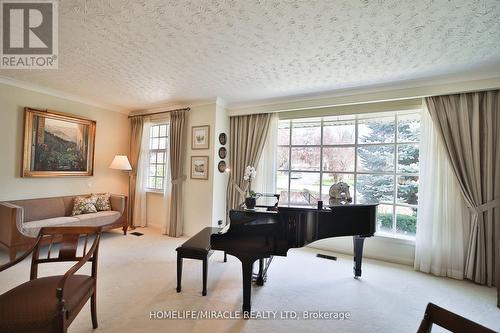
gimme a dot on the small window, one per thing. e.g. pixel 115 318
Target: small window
pixel 158 145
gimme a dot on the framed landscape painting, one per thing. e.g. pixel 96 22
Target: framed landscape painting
pixel 57 144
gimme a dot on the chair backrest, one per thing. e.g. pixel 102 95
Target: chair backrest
pixel 67 240
pixel 448 320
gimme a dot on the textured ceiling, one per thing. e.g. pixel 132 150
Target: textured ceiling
pixel 135 54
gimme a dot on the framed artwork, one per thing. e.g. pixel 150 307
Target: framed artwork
pixel 57 144
pixel 199 167
pixel 200 137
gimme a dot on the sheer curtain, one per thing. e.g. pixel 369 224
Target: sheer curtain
pixel 140 203
pixel 442 213
pixel 265 181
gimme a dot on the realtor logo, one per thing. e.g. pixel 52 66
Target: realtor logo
pixel 29 34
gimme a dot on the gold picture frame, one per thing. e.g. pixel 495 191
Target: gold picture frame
pixel 200 137
pixel 199 167
pixel 57 144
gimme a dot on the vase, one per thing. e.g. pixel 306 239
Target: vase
pixel 250 203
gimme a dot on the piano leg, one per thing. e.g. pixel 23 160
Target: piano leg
pixel 358 255
pixel 179 272
pixel 247 267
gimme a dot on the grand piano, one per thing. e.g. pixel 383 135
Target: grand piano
pixel 258 235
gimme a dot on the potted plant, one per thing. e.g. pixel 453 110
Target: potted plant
pixel 250 174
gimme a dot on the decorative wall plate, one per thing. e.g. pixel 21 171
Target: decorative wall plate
pixel 222 166
pixel 222 152
pixel 222 138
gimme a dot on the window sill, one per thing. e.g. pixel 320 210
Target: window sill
pixel 395 238
pixel 159 192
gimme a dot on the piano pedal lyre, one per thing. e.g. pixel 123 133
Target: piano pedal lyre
pixel 261 277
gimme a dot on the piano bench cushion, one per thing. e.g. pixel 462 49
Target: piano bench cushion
pixel 198 244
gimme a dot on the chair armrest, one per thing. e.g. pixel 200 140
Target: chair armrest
pixel 118 203
pixel 11 218
pixel 21 258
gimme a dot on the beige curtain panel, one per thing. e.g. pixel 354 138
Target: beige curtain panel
pixel 247 137
pixel 136 124
pixel 469 125
pixel 177 144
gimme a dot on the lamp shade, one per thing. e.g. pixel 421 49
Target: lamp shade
pixel 120 162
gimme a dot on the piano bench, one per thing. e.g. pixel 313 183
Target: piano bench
pixel 196 247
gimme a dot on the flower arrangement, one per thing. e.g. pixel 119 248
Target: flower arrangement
pixel 250 174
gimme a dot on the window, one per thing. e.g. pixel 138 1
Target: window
pixel 158 142
pixel 376 154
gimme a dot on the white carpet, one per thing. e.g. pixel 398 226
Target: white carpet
pixel 137 275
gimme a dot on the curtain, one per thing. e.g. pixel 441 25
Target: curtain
pixel 136 129
pixel 442 213
pixel 140 203
pixel 167 189
pixel 469 126
pixel 247 137
pixel 177 145
pixel 265 181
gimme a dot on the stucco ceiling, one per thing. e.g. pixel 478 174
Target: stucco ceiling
pixel 135 54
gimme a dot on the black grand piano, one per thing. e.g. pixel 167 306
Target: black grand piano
pixel 260 234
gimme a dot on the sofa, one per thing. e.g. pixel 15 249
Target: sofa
pixel 21 220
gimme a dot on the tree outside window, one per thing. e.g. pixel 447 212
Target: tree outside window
pixel 376 154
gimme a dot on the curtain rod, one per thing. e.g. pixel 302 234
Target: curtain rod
pixel 159 112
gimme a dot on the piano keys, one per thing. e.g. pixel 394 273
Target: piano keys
pixel 259 234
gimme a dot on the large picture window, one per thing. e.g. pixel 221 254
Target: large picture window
pixel 376 154
pixel 158 144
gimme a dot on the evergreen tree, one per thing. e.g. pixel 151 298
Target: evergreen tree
pixel 376 188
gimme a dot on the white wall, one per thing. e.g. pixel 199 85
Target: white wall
pixel 112 137
pixel 155 210
pixel 220 179
pixel 198 194
pixel 400 251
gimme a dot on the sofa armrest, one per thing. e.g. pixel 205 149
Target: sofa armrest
pixel 11 219
pixel 119 203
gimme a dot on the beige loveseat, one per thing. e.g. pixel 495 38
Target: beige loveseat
pixel 21 220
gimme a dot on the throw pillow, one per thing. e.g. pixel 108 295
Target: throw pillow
pixel 102 201
pixel 84 205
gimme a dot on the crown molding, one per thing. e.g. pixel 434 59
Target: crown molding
pixel 60 94
pixel 373 94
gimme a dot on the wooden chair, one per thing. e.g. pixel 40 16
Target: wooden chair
pixel 50 304
pixel 448 320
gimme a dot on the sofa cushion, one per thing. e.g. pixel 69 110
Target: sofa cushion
pixel 102 202
pixel 32 228
pixel 84 205
pixel 98 219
